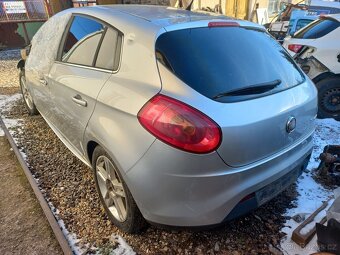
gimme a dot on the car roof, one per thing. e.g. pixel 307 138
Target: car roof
pixel 156 13
pixel 158 16
pixel 334 16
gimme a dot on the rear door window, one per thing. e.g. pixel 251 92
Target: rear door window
pixel 317 29
pixel 109 52
pixel 82 41
pixel 240 61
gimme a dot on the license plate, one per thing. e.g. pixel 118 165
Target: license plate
pixel 272 190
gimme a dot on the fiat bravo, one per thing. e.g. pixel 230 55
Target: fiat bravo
pixel 187 119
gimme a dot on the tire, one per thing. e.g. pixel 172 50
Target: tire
pixel 28 100
pixel 329 98
pixel 114 193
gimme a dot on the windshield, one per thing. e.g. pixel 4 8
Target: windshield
pixel 215 61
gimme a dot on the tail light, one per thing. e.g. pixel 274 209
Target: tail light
pixel 295 47
pixel 223 24
pixel 180 125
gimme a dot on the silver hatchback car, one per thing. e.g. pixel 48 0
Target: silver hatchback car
pixel 187 119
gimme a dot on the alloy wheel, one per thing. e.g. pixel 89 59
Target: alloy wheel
pixel 111 188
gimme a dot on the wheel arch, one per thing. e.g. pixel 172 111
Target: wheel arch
pixel 90 147
pixel 324 76
pixel 92 144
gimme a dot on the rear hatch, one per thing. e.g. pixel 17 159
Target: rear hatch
pixel 253 87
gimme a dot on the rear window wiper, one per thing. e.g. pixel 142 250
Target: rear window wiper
pixel 250 90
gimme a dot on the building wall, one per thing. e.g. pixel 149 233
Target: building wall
pixel 199 4
pixel 264 4
pixel 59 5
pixel 109 2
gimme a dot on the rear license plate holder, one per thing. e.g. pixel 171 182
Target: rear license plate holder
pixel 273 189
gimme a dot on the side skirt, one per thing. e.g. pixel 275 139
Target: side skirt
pixel 67 143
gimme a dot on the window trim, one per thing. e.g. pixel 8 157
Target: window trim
pixel 85 67
pixel 92 67
pixel 99 46
pixel 69 53
pixel 119 43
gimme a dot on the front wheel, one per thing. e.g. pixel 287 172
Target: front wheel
pixel 115 195
pixel 32 110
pixel 329 98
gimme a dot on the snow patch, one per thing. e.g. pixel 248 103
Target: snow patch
pixel 311 194
pixel 11 123
pixel 45 44
pixel 123 248
pixel 14 127
pixel 6 101
pixel 71 237
pixel 306 229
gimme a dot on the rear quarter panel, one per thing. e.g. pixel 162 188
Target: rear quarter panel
pixel 114 124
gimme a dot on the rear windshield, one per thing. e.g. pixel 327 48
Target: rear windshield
pixel 317 29
pixel 215 61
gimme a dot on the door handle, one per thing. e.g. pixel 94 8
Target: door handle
pixel 78 100
pixel 43 82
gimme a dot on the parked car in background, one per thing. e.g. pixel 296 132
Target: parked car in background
pixel 299 19
pixel 316 48
pixel 186 119
pixel 293 17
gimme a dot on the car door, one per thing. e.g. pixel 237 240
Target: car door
pixel 85 63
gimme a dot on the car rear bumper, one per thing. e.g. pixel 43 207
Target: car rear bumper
pixel 183 189
pixel 265 194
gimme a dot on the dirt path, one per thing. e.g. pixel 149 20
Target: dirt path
pixel 23 226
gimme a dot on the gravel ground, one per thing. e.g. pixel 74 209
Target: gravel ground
pixel 68 184
pixel 8 68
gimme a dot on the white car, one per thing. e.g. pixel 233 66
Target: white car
pixel 316 48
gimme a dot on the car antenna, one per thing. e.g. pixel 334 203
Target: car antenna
pixel 189 6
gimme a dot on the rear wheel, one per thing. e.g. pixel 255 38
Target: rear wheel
pixel 114 194
pixel 329 98
pixel 32 110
